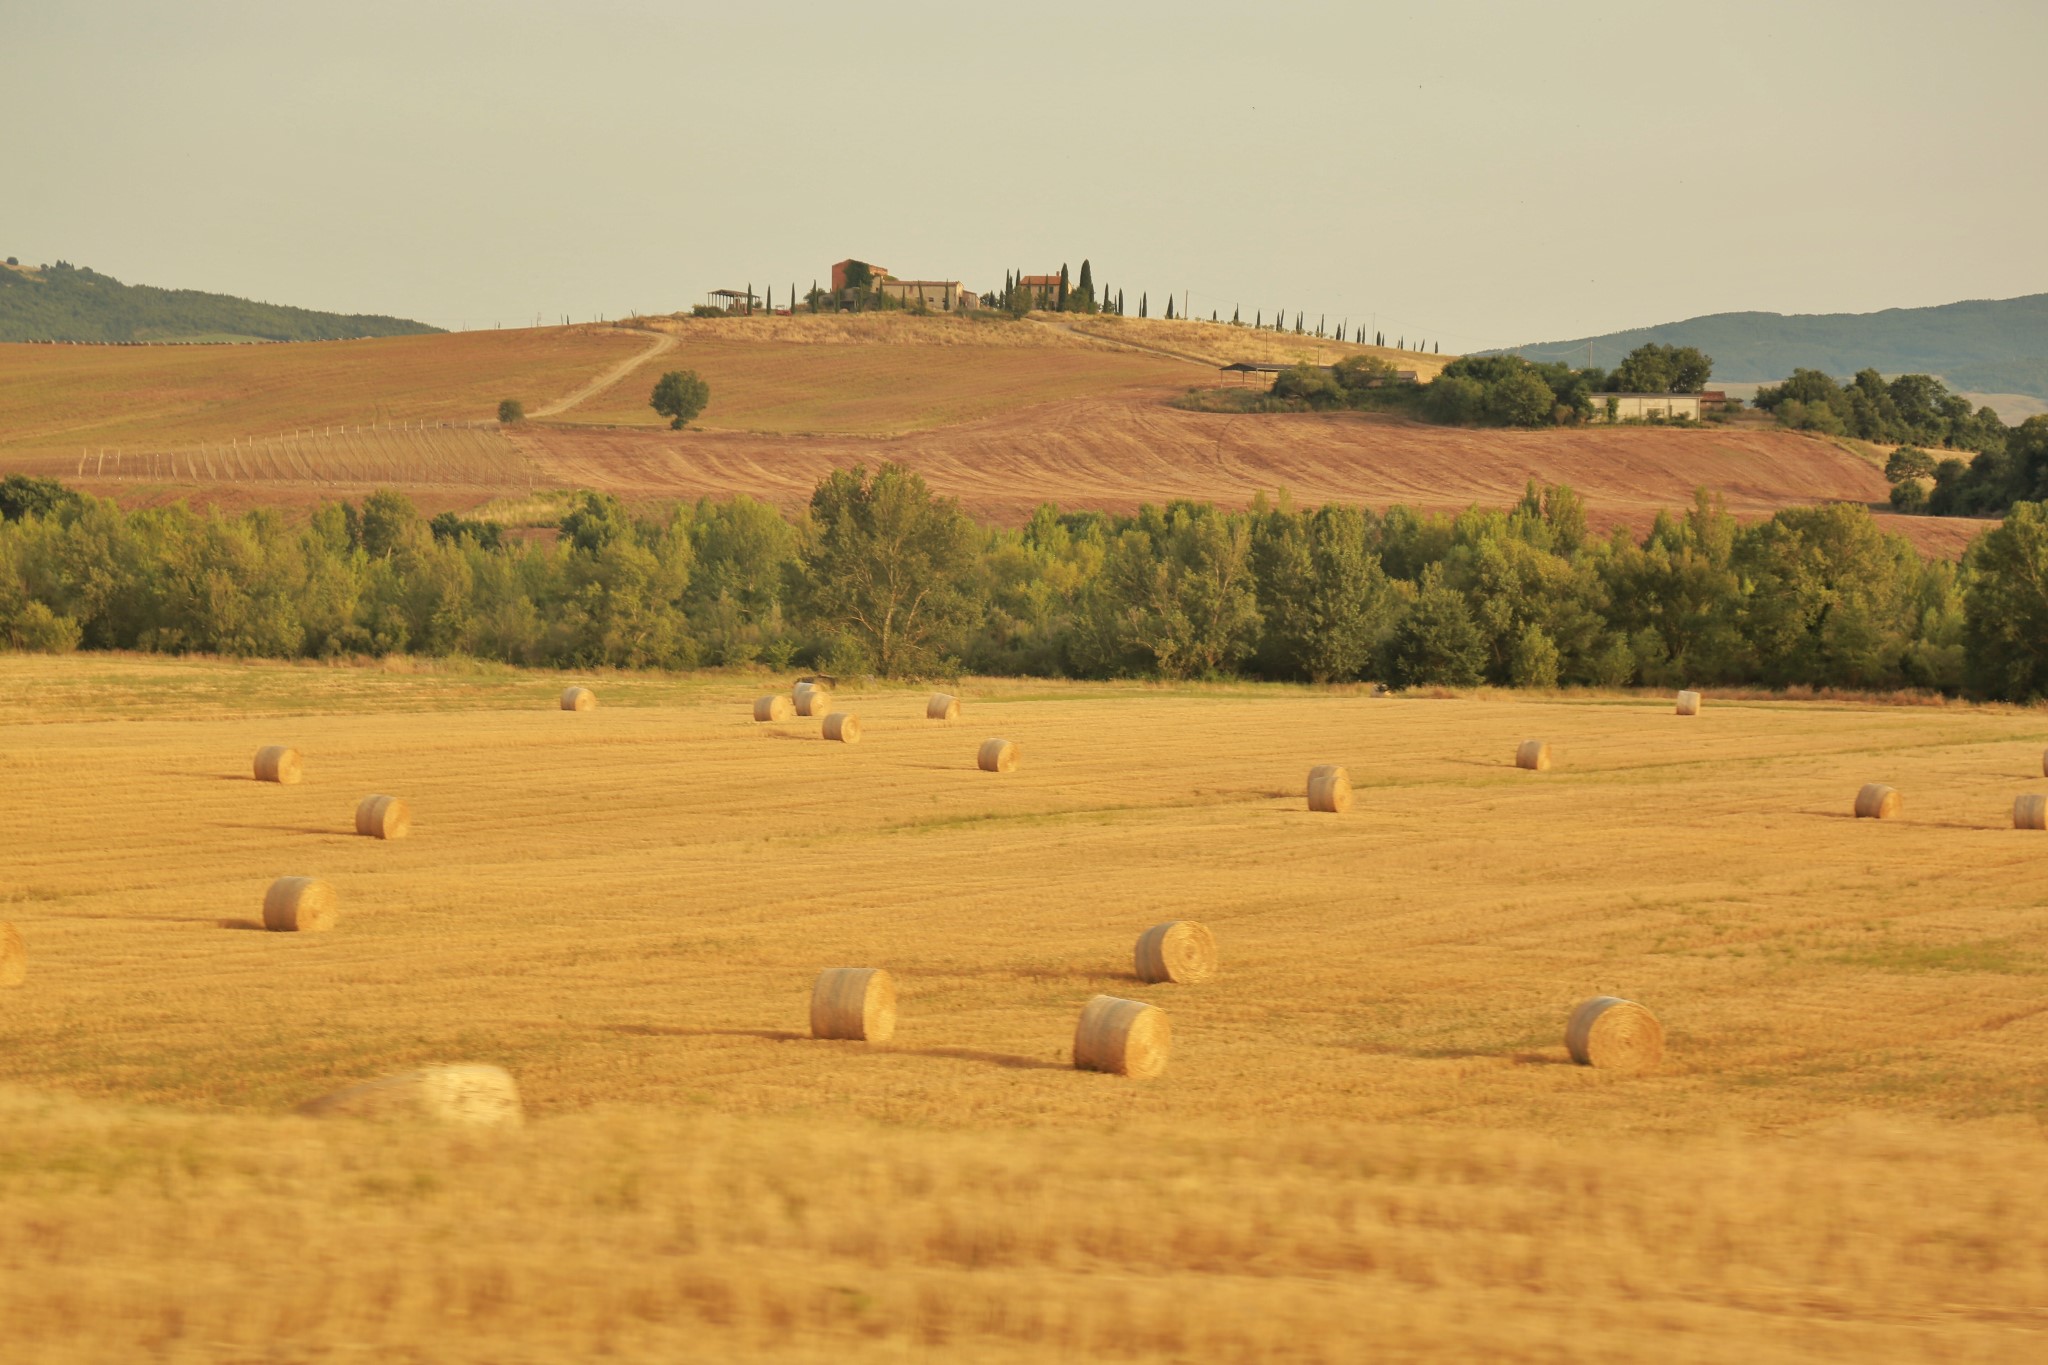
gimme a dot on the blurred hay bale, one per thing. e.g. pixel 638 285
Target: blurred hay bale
pixel 303 905
pixel 853 1002
pixel 1876 802
pixel 278 763
pixel 1614 1034
pixel 1180 951
pixel 843 726
pixel 1122 1037
pixel 942 707
pixel 776 707
pixel 1329 788
pixel 996 756
pixel 383 817
pixel 481 1096
pixel 2030 812
pixel 1533 755
pixel 579 699
pixel 812 699
pixel 1688 703
pixel 13 956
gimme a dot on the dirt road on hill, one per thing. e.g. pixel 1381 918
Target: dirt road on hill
pixel 661 342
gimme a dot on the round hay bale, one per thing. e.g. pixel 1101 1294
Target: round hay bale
pixel 777 707
pixel 853 1002
pixel 278 763
pixel 480 1096
pixel 811 700
pixel 1179 950
pixel 302 905
pixel 579 699
pixel 1329 788
pixel 383 817
pixel 942 707
pixel 1615 1034
pixel 1876 802
pixel 2030 812
pixel 996 756
pixel 843 726
pixel 1688 703
pixel 1122 1037
pixel 1533 755
pixel 13 956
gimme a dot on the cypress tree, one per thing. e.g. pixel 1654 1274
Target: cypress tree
pixel 1320 323
pixel 1119 303
pixel 1141 305
pixel 1233 316
pixel 1258 322
pixel 1060 302
pixel 1087 286
pixel 1169 308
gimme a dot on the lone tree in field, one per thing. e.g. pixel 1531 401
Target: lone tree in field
pixel 885 563
pixel 511 410
pixel 679 396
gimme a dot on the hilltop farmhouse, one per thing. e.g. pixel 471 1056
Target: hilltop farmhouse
pixel 946 296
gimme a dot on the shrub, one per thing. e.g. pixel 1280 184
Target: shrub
pixel 679 396
pixel 511 410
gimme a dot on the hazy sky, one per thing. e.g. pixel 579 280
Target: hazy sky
pixel 1482 174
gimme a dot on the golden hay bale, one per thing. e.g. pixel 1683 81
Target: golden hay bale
pixel 1179 950
pixel 843 726
pixel 1688 703
pixel 1329 788
pixel 482 1096
pixel 302 905
pixel 579 699
pixel 777 707
pixel 1122 1037
pixel 383 817
pixel 2030 812
pixel 1616 1034
pixel 942 707
pixel 13 956
pixel 1533 755
pixel 812 701
pixel 996 756
pixel 278 763
pixel 853 1002
pixel 2044 763
pixel 1876 802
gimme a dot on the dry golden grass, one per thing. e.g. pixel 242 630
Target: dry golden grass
pixel 1369 1142
pixel 1222 344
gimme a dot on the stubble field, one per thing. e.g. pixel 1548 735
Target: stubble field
pixel 1369 1142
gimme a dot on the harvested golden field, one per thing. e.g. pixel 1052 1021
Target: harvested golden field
pixel 60 399
pixel 1368 1143
pixel 877 375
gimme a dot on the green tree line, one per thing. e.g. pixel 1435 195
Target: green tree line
pixel 63 302
pixel 878 574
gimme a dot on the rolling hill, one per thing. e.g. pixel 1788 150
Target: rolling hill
pixel 1990 346
pixel 64 302
pixel 1000 415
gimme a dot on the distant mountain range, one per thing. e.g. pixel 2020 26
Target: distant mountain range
pixel 63 302
pixel 1979 346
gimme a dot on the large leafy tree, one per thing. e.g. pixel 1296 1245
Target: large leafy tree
pixel 1663 369
pixel 888 566
pixel 679 396
pixel 2006 612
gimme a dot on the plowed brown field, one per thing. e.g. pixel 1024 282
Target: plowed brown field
pixel 1116 452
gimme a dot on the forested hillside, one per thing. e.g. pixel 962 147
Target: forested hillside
pixel 63 302
pixel 1981 345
